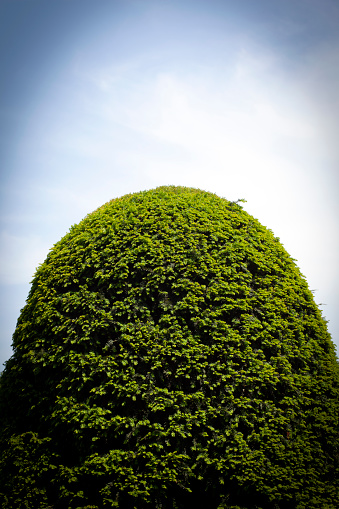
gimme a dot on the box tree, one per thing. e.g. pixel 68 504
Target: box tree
pixel 169 355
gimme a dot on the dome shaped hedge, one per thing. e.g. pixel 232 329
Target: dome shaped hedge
pixel 169 355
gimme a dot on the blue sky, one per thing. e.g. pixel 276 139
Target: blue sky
pixel 100 98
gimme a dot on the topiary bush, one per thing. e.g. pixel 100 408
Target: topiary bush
pixel 170 355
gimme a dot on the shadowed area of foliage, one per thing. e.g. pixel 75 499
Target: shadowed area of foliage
pixel 170 355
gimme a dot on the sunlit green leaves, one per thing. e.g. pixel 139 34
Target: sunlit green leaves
pixel 170 351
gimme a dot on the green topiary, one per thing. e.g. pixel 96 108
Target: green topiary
pixel 170 355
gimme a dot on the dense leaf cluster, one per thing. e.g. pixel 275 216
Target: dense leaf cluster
pixel 170 355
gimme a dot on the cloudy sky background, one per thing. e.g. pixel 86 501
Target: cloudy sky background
pixel 99 98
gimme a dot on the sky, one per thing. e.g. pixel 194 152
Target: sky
pixel 100 98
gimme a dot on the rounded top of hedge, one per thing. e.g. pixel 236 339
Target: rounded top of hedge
pixel 170 351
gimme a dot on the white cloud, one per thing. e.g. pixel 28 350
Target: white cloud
pixel 234 126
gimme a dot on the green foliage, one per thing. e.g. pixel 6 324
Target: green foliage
pixel 170 355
